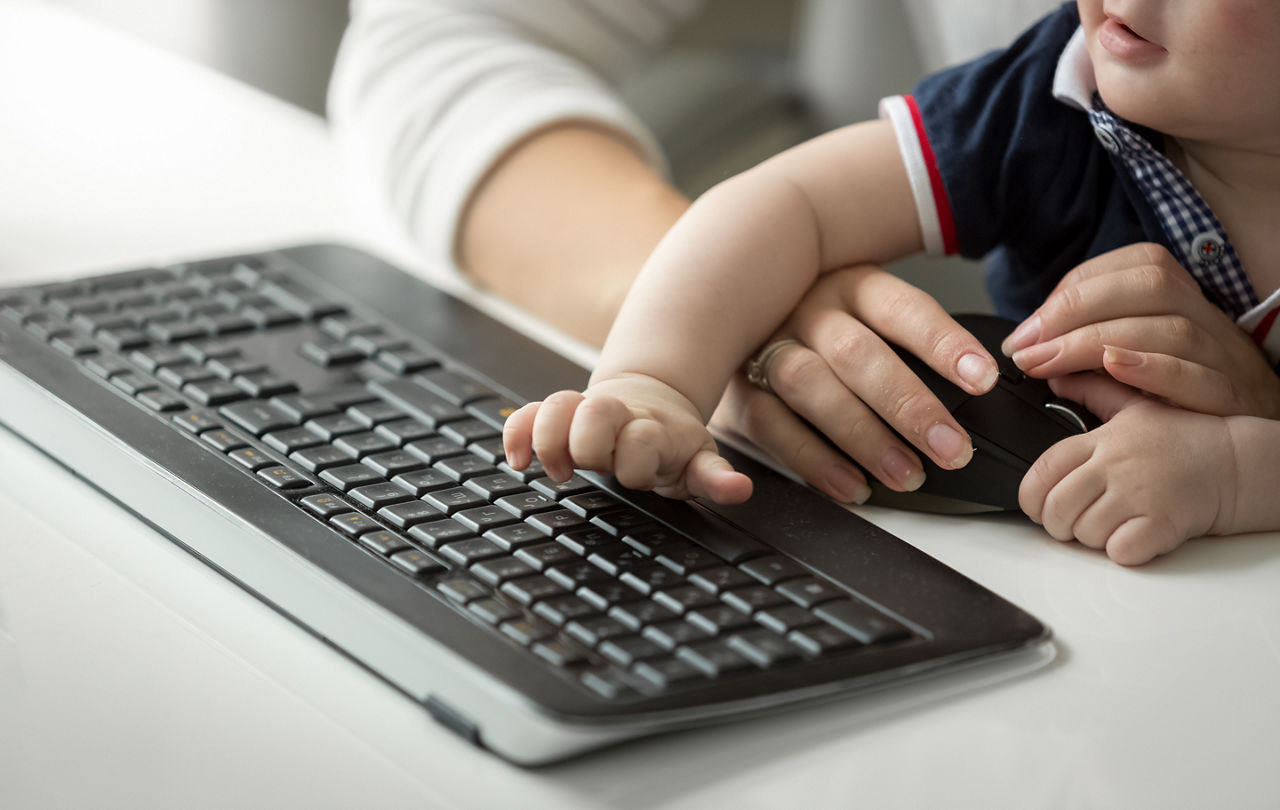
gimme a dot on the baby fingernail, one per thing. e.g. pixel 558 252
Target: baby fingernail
pixel 1026 334
pixel 900 467
pixel 979 372
pixel 949 444
pixel 1036 355
pixel 847 485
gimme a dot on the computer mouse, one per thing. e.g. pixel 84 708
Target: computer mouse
pixel 1011 426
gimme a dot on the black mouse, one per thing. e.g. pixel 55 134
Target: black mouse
pixel 1011 426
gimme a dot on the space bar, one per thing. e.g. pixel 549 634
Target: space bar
pixel 417 401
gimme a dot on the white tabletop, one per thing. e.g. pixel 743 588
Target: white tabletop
pixel 133 676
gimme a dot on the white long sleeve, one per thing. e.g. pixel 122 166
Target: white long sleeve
pixel 428 94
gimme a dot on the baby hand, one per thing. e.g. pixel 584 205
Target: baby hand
pixel 635 427
pixel 1149 479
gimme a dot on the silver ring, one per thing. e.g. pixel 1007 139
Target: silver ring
pixel 758 366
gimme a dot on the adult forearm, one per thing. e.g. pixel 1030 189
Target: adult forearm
pixel 563 223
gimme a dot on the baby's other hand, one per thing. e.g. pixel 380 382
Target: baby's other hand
pixel 634 427
pixel 1149 479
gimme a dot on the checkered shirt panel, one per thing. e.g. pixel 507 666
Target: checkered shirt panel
pixel 1198 238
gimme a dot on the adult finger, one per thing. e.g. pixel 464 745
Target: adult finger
pixel 1081 349
pixel 1137 280
pixel 909 317
pixel 551 433
pixel 1187 385
pixel 812 389
pixel 874 374
pixel 775 428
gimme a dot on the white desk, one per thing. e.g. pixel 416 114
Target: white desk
pixel 132 676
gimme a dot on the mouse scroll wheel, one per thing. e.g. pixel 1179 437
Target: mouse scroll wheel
pixel 1067 410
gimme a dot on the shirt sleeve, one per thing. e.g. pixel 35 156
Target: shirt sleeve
pixel 428 94
pixel 994 160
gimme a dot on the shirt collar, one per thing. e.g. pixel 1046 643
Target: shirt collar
pixel 1074 82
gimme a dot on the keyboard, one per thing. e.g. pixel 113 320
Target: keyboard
pixel 325 431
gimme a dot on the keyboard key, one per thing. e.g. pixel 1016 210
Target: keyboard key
pixel 408 514
pixel 773 569
pixel 222 440
pixel 684 597
pixel 592 630
pixel 264 384
pixel 651 577
pixel 181 374
pixel 495 485
pixel 321 457
pixel 405 361
pixel 524 504
pixel 376 496
pixel 561 489
pixel 383 542
pixel 714 658
pixel 354 524
pixel 527 631
pixel 556 521
pixel 494 611
pixel 284 478
pixel 516 536
pixel 573 575
pixel 392 463
pixel 133 384
pixel 652 538
pixel 720 578
pixel 373 341
pixel 291 440
pixel 861 621
pixel 437 532
pixel 638 614
pixel 334 425
pixel 434 448
pixel 402 431
pixel 471 550
pixel 460 468
pixel 674 633
pixel 364 443
pixel 820 639
pixel 560 652
pixel 162 401
pixel 810 591
pixel 590 503
pixel 415 562
pixel 534 471
pixel 621 521
pixel 453 499
pixel 106 367
pixel 417 401
pixel 251 458
pixel 762 648
pixel 327 353
pixel 483 518
pixel 298 407
pixel 489 449
pixel 500 569
pixel 324 505
pixel 256 416
pixel 606 593
pixel 453 387
pixel 375 413
pixel 545 555
pixel 753 598
pixel 466 431
pixel 228 368
pixel 528 590
pixel 665 672
pixel 627 650
pixel 686 558
pixel 564 608
pixel 614 558
pixel 786 618
pixel 716 619
pixel 349 476
pixel 420 482
pixel 463 589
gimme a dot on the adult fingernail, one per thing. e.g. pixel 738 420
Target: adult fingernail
pixel 1116 356
pixel 902 469
pixel 950 445
pixel 1028 332
pixel 1036 355
pixel 847 485
pixel 979 372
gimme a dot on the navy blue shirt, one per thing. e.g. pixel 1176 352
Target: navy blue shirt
pixel 1027 183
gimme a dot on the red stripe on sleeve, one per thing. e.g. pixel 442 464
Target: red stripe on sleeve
pixel 1260 332
pixel 945 222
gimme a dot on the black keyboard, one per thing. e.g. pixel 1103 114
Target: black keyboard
pixel 253 372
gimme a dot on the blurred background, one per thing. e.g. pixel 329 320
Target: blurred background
pixel 743 80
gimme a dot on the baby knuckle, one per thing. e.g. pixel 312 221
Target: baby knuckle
pixel 563 398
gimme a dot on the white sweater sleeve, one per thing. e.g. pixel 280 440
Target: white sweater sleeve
pixel 427 94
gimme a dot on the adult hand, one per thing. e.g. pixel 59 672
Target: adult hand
pixel 1136 313
pixel 844 379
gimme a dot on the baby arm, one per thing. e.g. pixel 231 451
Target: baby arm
pixel 1153 476
pixel 720 282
